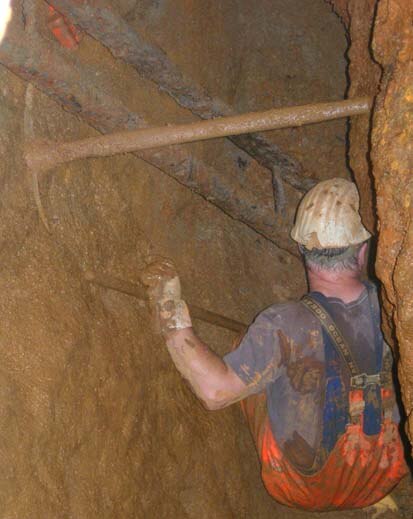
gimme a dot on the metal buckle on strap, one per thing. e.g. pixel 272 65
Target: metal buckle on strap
pixel 363 380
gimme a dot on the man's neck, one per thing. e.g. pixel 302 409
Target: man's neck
pixel 346 285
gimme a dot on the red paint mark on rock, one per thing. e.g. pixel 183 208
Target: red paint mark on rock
pixel 67 34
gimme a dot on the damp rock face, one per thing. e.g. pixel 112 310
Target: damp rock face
pixel 381 156
pixel 392 157
pixel 364 74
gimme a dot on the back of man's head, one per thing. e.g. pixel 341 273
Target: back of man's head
pixel 328 226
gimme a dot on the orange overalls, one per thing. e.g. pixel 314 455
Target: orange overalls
pixel 359 471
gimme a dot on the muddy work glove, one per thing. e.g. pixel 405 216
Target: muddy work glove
pixel 164 293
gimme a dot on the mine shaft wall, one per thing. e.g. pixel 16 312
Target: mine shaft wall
pixel 381 155
pixel 96 423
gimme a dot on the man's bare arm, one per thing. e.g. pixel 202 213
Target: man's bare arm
pixel 214 383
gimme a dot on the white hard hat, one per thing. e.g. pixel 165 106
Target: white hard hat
pixel 328 216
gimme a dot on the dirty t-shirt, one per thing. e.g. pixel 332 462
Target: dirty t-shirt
pixel 283 354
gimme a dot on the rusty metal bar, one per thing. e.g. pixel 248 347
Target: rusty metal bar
pixel 138 290
pixel 98 19
pixel 80 91
pixel 47 156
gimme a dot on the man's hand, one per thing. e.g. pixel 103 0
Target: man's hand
pixel 164 292
pixel 212 381
pixel 162 280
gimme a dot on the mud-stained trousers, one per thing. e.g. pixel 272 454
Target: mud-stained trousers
pixel 359 471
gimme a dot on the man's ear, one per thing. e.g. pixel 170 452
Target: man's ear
pixel 362 255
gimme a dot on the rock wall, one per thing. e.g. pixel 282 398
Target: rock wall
pixel 392 158
pixel 95 421
pixel 381 156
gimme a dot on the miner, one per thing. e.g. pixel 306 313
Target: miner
pixel 314 376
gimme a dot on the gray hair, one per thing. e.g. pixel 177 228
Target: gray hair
pixel 337 259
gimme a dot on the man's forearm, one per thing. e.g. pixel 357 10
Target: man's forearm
pixel 210 378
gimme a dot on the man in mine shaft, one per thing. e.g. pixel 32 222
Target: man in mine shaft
pixel 314 377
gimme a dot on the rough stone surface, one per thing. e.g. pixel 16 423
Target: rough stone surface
pixel 364 74
pixel 95 421
pixel 392 156
pixel 380 154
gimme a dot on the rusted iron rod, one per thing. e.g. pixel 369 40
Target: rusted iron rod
pixel 48 156
pixel 78 89
pixel 138 290
pixel 98 18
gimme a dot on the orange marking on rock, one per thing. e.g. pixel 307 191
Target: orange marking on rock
pixel 67 34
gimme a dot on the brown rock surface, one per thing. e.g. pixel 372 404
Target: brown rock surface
pixel 364 73
pixel 392 156
pixel 364 76
pixel 380 154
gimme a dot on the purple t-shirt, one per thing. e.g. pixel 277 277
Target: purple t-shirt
pixel 283 354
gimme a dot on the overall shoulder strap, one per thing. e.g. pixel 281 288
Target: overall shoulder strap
pixel 336 336
pixel 375 315
pixel 365 390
